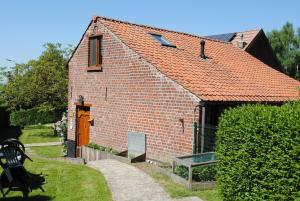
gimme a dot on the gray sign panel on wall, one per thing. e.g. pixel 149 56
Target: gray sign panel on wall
pixel 136 143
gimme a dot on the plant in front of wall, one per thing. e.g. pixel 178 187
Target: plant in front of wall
pixel 102 148
pixel 182 171
pixel 205 173
pixel 60 129
pixel 200 173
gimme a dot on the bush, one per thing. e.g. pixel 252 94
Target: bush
pixel 182 171
pixel 61 127
pixel 258 149
pixel 205 173
pixel 31 117
pixel 102 148
pixel 200 173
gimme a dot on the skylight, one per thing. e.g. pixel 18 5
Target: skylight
pixel 163 41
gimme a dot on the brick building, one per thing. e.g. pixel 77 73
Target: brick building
pixel 255 42
pixel 125 77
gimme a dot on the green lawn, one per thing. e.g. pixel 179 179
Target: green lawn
pixel 37 135
pixel 48 151
pixel 178 191
pixel 65 182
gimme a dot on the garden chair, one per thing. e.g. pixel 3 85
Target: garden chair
pixel 14 173
pixel 15 143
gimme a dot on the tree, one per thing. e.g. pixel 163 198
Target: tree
pixel 286 45
pixel 40 83
pixel 2 75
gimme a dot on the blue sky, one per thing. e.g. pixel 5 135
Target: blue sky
pixel 27 24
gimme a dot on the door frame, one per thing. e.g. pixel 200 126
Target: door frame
pixel 78 108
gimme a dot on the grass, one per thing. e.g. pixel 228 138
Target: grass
pixel 48 151
pixel 65 182
pixel 37 135
pixel 178 191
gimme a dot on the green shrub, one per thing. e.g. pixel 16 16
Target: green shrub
pixel 200 173
pixel 205 173
pixel 182 171
pixel 102 148
pixel 258 149
pixel 31 117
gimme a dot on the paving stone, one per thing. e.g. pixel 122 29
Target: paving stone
pixel 43 144
pixel 128 183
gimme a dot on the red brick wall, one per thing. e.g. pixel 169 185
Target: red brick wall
pixel 139 99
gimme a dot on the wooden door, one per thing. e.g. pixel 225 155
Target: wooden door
pixel 83 127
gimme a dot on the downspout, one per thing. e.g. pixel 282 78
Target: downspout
pixel 203 126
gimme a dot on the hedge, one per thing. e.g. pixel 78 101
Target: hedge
pixel 258 149
pixel 31 117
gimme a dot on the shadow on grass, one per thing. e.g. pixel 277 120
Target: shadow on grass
pixel 35 181
pixel 30 198
pixel 11 132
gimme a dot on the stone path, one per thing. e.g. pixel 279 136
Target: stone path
pixel 43 144
pixel 128 183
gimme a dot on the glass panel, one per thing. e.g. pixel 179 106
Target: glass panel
pixel 92 55
pixel 200 158
pixel 100 49
pixel 162 40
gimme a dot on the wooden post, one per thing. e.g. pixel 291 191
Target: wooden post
pixel 173 166
pixel 88 154
pixel 202 129
pixel 190 175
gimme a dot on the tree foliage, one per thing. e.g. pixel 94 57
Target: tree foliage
pixel 40 83
pixel 31 117
pixel 2 80
pixel 286 45
pixel 2 75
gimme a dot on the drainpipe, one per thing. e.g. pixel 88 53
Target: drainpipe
pixel 202 104
pixel 195 148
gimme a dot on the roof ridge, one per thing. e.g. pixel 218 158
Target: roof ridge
pixel 256 29
pixel 161 29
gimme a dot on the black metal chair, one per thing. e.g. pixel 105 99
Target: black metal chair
pixel 11 160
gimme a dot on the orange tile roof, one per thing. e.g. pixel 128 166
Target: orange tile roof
pixel 230 74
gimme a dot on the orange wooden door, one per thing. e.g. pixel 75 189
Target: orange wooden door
pixel 83 127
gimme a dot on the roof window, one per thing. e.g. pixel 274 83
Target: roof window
pixel 163 41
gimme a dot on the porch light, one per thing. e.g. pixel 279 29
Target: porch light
pixel 80 99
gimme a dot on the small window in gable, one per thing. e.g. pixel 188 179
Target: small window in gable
pixel 95 53
pixel 163 41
